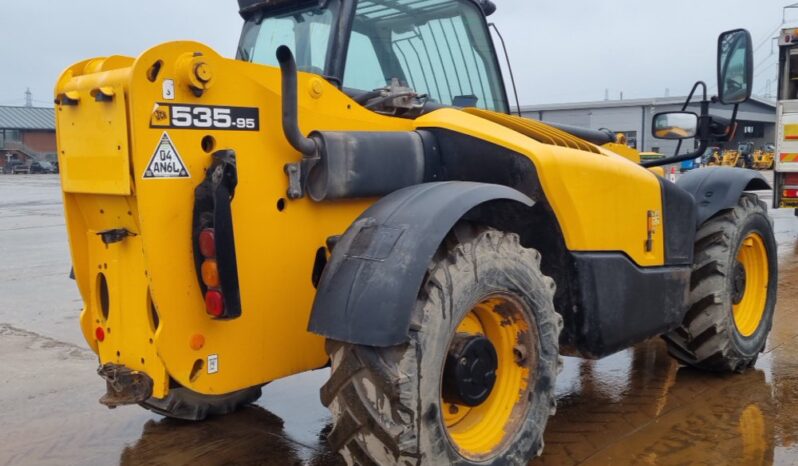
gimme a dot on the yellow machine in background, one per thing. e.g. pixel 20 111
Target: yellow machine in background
pixel 764 158
pixel 742 157
pixel 712 157
pixel 731 158
pixel 350 193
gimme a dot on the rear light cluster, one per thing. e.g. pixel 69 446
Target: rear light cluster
pixel 213 238
pixel 214 299
pixel 790 185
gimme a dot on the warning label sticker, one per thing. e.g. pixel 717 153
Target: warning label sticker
pixel 166 162
pixel 213 363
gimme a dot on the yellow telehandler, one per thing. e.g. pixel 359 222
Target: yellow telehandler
pixel 712 157
pixel 353 191
pixel 742 157
pixel 763 159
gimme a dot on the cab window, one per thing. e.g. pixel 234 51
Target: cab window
pixel 440 48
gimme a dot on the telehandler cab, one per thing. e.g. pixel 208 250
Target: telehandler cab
pixel 352 191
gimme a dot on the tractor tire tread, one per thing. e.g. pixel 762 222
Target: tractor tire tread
pixel 702 340
pixel 373 392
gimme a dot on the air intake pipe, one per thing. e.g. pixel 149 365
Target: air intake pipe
pixel 307 146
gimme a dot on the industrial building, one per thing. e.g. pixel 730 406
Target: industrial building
pixel 27 133
pixel 757 119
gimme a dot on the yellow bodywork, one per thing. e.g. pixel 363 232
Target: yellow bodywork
pixel 715 159
pixel 730 158
pixel 763 160
pixel 156 313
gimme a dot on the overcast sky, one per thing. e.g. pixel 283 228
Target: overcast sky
pixel 561 50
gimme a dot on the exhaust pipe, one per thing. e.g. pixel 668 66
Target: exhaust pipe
pixel 345 164
pixel 307 146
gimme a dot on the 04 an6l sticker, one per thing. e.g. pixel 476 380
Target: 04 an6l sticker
pixel 166 162
pixel 183 116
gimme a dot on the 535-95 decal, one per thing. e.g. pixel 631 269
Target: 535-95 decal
pixel 182 116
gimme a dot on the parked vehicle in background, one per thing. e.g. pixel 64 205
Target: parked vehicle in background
pixel 15 167
pixel 42 167
pixel 742 157
pixel 785 176
pixel 711 156
pixel 763 158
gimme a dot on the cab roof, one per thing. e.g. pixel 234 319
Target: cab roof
pixel 246 7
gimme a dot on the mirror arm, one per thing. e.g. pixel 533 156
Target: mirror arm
pixel 733 123
pixel 702 146
pixel 702 135
pixel 692 93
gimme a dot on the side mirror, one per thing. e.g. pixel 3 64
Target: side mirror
pixel 735 66
pixel 675 125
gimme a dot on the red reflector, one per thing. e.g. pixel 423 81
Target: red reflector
pixel 791 178
pixel 207 243
pixel 99 334
pixel 214 303
pixel 790 193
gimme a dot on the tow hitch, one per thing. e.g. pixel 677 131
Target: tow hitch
pixel 124 386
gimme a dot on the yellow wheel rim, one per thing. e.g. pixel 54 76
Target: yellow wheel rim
pixel 751 284
pixel 480 432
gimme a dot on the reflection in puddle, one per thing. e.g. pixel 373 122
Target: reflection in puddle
pixel 250 436
pixel 641 407
pixel 636 408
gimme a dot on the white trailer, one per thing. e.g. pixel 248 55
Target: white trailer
pixel 785 184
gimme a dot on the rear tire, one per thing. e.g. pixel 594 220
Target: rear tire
pixel 182 403
pixel 387 403
pixel 731 311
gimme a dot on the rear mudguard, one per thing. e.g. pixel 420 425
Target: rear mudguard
pixel 719 188
pixel 370 285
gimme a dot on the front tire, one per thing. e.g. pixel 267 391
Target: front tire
pixel 395 405
pixel 733 291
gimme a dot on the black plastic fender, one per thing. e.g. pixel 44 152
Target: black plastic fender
pixel 370 285
pixel 719 188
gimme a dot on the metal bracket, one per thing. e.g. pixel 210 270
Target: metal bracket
pixel 295 188
pixel 114 235
pixel 297 173
pixel 124 386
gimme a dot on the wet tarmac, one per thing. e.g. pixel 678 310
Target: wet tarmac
pixel 637 407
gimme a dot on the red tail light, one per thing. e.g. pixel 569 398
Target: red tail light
pixel 214 303
pixel 790 193
pixel 207 243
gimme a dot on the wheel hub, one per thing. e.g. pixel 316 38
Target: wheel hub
pixel 738 282
pixel 470 371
